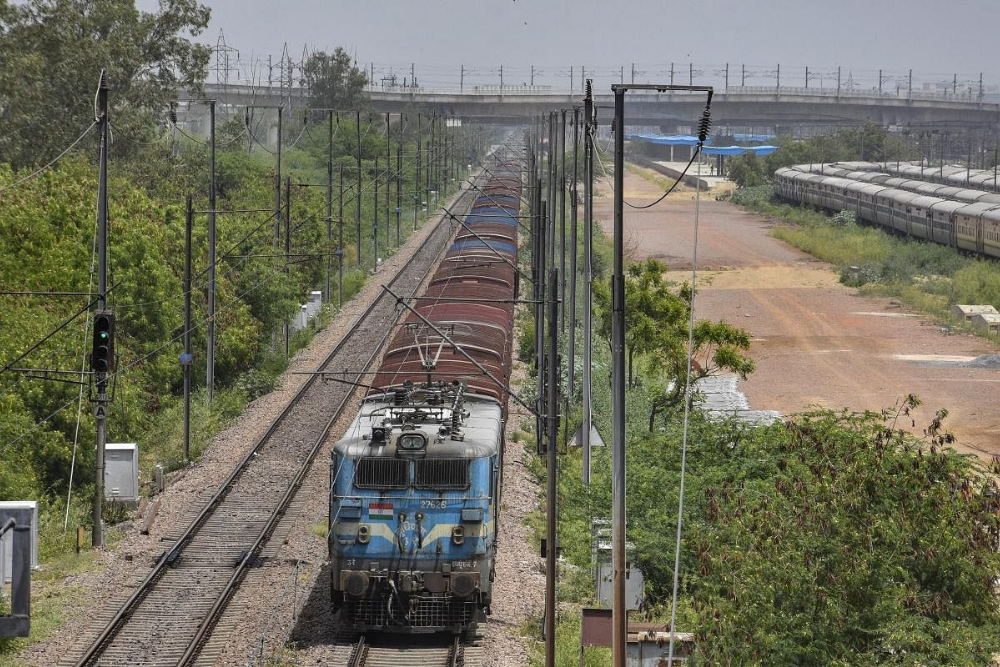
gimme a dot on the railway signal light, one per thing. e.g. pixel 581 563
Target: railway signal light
pixel 102 356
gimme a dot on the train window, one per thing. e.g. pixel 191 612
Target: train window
pixel 442 474
pixel 373 472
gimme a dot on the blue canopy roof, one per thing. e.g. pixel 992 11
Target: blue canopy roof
pixel 667 139
pixel 688 140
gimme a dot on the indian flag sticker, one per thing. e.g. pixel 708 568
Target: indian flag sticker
pixel 380 510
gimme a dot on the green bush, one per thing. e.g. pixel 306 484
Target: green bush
pixel 255 383
pixel 844 219
pixel 754 195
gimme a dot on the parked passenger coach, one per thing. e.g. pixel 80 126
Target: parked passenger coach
pixel 964 218
pixel 416 481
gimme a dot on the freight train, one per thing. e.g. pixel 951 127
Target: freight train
pixel 963 218
pixel 416 480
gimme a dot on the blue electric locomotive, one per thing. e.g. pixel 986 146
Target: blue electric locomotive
pixel 416 480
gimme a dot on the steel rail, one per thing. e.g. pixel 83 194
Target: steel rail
pixel 359 654
pixel 170 556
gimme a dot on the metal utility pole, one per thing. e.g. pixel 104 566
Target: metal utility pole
pixel 461 80
pixel 340 243
pixel 210 360
pixel 277 187
pixel 618 610
pixel 430 154
pixel 101 375
pixel 329 206
pixel 388 181
pixel 357 194
pixel 588 203
pixel 552 415
pixel 375 222
pixel 399 190
pixel 417 180
pixel 571 369
pixel 550 158
pixel 539 282
pixel 186 357
pixel 562 224
pixel 288 244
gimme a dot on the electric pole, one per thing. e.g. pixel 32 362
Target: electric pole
pixel 588 176
pixel 357 194
pixel 101 370
pixel 388 181
pixel 571 353
pixel 329 205
pixel 399 190
pixel 618 609
pixel 277 188
pixel 186 357
pixel 340 243
pixel 552 468
pixel 210 360
pixel 288 244
pixel 562 222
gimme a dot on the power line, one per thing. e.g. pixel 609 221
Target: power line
pixel 50 163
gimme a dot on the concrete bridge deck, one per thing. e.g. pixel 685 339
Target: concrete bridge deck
pixel 776 108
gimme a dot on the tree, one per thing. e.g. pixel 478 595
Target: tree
pixel 333 82
pixel 656 328
pixel 54 50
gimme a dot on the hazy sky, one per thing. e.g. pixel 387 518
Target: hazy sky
pixel 935 38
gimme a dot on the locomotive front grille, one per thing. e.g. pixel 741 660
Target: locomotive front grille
pixel 442 474
pixel 380 473
pixel 429 612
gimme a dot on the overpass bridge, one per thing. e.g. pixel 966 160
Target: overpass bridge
pixel 740 107
pixel 785 109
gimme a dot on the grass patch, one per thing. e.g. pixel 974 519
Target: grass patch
pixel 926 276
pixel 320 528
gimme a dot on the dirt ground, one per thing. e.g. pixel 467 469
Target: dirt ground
pixel 816 342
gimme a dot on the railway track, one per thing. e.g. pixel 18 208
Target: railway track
pixel 172 612
pixel 460 652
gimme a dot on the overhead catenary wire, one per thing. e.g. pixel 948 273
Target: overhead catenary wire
pixel 669 190
pixel 83 369
pixel 51 162
pixel 687 418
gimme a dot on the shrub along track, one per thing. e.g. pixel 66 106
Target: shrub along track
pixel 171 614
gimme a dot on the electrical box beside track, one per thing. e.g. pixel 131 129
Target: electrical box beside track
pixel 121 472
pixel 7 541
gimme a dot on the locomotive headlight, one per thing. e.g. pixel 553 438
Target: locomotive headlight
pixel 364 534
pixel 411 441
pixel 465 584
pixel 458 534
pixel 354 583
